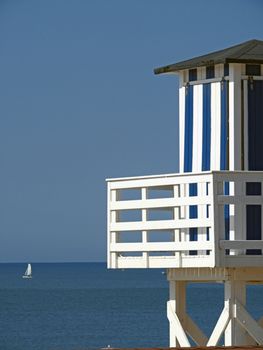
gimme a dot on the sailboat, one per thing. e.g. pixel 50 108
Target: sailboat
pixel 28 272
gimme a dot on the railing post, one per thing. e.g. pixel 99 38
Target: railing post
pixel 145 255
pixel 113 217
pixel 202 213
pixel 239 211
pixel 108 225
pixel 217 218
pixel 176 214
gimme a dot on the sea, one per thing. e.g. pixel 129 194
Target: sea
pixel 79 306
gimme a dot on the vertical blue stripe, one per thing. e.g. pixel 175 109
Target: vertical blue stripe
pixel 255 158
pixel 224 148
pixel 206 149
pixel 224 125
pixel 188 135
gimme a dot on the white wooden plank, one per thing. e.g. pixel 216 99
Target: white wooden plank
pixel 160 180
pixel 243 260
pixel 249 324
pixel 159 225
pixel 160 246
pixel 181 124
pixel 180 333
pixel 215 125
pixel 238 199
pixel 219 328
pixel 245 128
pixel 197 128
pixel 234 116
pixel 167 262
pixel 241 244
pixel 195 332
pixel 160 203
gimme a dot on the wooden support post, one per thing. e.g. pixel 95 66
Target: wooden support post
pixel 180 322
pixel 145 255
pixel 176 313
pixel 176 216
pixel 235 294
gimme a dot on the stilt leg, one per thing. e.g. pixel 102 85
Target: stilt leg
pixel 235 291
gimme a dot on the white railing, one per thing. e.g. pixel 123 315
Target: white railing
pixel 181 220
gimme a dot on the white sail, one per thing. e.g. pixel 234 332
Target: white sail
pixel 28 273
pixel 28 270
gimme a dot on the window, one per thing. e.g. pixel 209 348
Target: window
pixel 253 69
pixel 226 69
pixel 210 72
pixel 192 74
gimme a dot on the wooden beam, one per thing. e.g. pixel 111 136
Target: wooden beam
pixel 220 327
pixel 194 331
pixel 249 324
pixel 180 333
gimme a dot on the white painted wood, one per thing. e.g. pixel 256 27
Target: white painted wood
pixel 176 312
pixel 145 254
pixel 176 214
pixel 159 225
pixel 251 274
pixel 219 327
pixel 172 330
pixel 205 81
pixel 108 225
pixel 245 113
pixel 238 199
pixel 202 213
pixel 183 178
pixel 219 71
pixel 195 332
pixel 180 224
pixel 234 116
pixel 249 324
pixel 235 292
pixel 241 244
pixel 197 128
pixel 112 234
pixel 159 247
pixel 181 122
pixel 242 261
pixel 255 77
pixel 215 125
pixel 180 333
pixel 164 203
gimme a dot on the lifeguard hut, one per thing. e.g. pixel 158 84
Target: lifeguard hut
pixel 205 223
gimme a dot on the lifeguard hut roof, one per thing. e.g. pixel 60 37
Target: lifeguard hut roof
pixel 248 52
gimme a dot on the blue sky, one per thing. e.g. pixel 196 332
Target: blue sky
pixel 80 103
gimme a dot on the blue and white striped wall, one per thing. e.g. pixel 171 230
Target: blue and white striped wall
pixel 220 121
pixel 203 127
pixel 221 128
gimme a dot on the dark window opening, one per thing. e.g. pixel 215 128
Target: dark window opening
pixel 253 69
pixel 210 72
pixel 192 74
pixel 226 69
pixel 253 189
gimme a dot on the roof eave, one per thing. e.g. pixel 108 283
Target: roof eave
pixel 175 68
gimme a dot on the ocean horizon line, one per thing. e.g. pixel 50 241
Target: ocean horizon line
pixel 53 262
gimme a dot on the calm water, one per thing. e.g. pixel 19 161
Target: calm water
pixel 86 306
